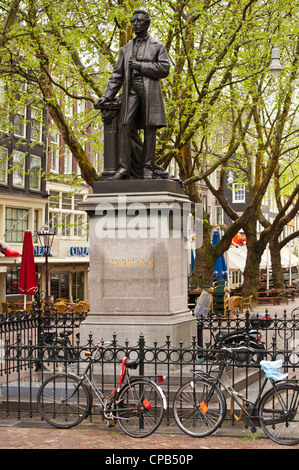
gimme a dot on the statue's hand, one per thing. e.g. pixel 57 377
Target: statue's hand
pixel 101 102
pixel 134 64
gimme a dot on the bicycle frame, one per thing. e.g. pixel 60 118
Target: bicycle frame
pixel 109 404
pixel 234 395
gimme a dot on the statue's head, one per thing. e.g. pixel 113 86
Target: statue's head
pixel 140 21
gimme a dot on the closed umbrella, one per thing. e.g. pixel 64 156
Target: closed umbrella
pixel 220 269
pixel 27 279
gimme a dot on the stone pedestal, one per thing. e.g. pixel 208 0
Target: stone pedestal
pixel 138 263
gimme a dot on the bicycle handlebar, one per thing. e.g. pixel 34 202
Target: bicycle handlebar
pixel 101 344
pixel 232 350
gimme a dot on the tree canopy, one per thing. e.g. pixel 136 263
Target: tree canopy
pixel 224 108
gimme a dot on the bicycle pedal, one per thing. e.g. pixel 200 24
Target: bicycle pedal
pixel 110 424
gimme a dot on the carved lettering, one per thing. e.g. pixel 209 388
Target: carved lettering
pixel 129 263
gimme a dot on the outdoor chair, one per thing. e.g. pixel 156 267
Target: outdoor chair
pixel 60 307
pixel 235 304
pixel 5 307
pixel 247 302
pixel 78 308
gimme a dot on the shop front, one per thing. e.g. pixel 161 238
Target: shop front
pixel 68 266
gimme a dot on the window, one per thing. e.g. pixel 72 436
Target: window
pixel 18 159
pixel 59 285
pixel 238 192
pixel 36 124
pixel 66 201
pixel 3 164
pixel 35 172
pixel 16 222
pixel 54 219
pixel 54 152
pixel 69 107
pixel 66 225
pixel 79 222
pixel 54 199
pixel 35 225
pixel 65 216
pixel 68 161
pixel 77 199
pixel 4 116
pixel 78 285
pixel 219 215
pixel 12 281
pixel 20 123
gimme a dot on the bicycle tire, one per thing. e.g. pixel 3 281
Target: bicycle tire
pixel 59 351
pixel 139 408
pixel 64 401
pixel 199 407
pixel 54 352
pixel 278 401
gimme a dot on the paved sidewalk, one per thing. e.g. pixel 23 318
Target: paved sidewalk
pixel 37 435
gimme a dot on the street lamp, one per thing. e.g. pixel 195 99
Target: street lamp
pixel 46 238
pixel 275 68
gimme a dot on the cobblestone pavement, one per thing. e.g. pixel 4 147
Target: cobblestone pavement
pixel 18 435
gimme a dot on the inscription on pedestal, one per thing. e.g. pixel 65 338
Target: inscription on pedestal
pixel 129 263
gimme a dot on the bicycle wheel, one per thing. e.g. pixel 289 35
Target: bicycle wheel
pixel 199 407
pixel 54 352
pixel 140 408
pixel 278 414
pixel 64 401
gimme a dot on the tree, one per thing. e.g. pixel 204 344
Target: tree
pixel 66 53
pixel 272 135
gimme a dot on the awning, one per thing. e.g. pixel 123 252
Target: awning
pixel 68 260
pixel 236 258
pixel 4 261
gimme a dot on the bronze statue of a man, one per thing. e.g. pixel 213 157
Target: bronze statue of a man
pixel 140 65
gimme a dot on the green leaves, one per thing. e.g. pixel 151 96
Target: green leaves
pixel 219 52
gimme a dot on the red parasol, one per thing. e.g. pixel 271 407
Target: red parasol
pixel 27 280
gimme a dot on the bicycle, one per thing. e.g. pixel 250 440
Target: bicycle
pixel 57 346
pixel 199 406
pixel 137 404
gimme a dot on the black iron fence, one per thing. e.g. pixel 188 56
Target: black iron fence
pixel 33 347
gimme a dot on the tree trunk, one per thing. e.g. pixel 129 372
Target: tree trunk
pixel 204 256
pixel 204 259
pixel 277 273
pixel 251 272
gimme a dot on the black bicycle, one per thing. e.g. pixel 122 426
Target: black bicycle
pixel 57 347
pixel 137 404
pixel 199 406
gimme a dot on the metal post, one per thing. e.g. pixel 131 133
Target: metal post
pixel 47 305
pixel 141 354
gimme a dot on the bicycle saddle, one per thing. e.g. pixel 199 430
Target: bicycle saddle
pixel 63 334
pixel 223 334
pixel 131 363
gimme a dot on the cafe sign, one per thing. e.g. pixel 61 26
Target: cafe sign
pixel 79 250
pixel 39 250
